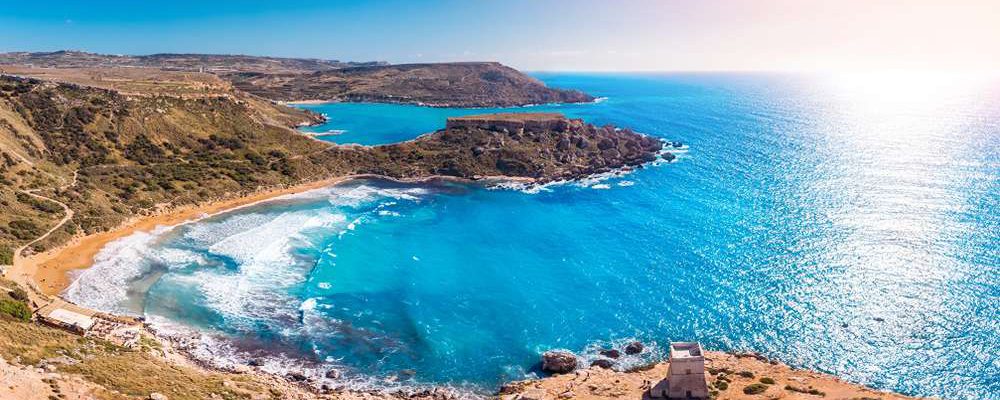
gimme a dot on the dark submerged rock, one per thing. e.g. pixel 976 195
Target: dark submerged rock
pixel 603 363
pixel 611 353
pixel 634 348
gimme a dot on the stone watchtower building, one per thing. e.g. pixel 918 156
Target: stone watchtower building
pixel 685 375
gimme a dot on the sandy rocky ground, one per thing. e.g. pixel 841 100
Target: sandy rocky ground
pixel 738 371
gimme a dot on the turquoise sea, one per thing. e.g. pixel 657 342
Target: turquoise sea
pixel 847 224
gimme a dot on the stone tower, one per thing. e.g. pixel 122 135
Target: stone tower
pixel 685 375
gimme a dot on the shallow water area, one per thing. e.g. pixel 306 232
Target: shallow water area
pixel 845 224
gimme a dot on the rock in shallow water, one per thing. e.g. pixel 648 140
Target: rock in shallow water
pixel 634 348
pixel 558 361
pixel 611 353
pixel 606 364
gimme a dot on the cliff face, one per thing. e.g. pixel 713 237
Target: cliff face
pixel 444 85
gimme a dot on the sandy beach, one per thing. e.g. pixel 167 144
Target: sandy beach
pixel 50 271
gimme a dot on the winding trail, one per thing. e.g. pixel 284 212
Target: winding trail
pixel 66 210
pixel 35 295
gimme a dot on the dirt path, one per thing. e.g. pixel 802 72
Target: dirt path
pixel 66 210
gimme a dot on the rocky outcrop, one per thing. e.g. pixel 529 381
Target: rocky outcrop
pixel 634 348
pixel 727 376
pixel 543 147
pixel 558 362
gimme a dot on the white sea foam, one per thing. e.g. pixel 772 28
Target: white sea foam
pixel 104 286
pixel 308 305
pixel 331 132
pixel 601 186
pixel 266 265
pixel 364 194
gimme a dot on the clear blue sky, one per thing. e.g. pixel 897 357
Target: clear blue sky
pixel 534 35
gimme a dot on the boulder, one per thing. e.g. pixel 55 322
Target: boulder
pixel 603 363
pixel 558 361
pixel 634 348
pixel 611 353
pixel 333 374
pixel 295 376
pixel 157 396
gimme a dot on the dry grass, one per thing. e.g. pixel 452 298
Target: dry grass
pixel 129 372
pixel 134 81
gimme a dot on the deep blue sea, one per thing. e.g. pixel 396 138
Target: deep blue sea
pixel 847 224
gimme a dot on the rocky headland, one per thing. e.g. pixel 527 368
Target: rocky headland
pixel 743 376
pixel 464 84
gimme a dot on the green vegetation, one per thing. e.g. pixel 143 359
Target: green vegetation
pixel 721 385
pixel 767 381
pixel 755 388
pixel 746 374
pixel 6 254
pixel 13 306
pixel 15 309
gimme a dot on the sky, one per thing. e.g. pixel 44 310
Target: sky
pixel 579 35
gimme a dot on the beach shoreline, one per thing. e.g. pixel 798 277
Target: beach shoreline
pixel 51 271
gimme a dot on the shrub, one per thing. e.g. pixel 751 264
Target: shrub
pixel 721 385
pixel 746 374
pixel 19 294
pixel 756 388
pixel 24 229
pixel 767 381
pixel 6 255
pixel 15 309
pixel 811 391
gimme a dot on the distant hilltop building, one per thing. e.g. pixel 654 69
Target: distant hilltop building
pixel 685 375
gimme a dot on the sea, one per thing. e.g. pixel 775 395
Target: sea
pixel 843 223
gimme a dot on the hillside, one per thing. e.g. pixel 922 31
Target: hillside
pixel 445 85
pixel 110 156
pixel 182 62
pixel 463 84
